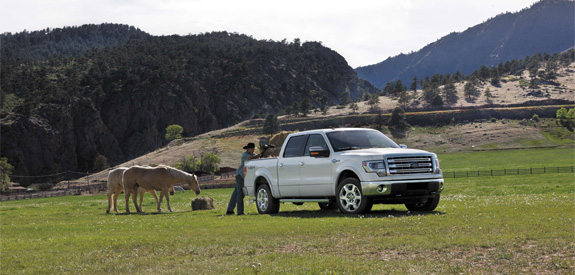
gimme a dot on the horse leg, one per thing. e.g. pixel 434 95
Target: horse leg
pixel 135 194
pixel 168 199
pixel 114 201
pixel 127 192
pixel 110 194
pixel 142 192
pixel 153 192
pixel 160 201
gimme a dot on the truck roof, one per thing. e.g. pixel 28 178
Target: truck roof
pixel 327 130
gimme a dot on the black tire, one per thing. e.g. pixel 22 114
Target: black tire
pixel 265 202
pixel 350 199
pixel 326 206
pixel 426 206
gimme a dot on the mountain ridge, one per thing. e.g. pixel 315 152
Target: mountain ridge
pixel 547 26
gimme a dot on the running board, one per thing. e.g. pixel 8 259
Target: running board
pixel 298 200
pixel 304 200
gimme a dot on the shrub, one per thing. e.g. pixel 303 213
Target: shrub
pixel 208 163
pixel 174 131
pixel 190 164
pixel 100 163
pixel 5 170
pixel 211 163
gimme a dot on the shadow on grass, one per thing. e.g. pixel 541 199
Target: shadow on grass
pixel 372 214
pixel 136 213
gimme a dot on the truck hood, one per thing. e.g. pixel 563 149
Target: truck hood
pixel 377 153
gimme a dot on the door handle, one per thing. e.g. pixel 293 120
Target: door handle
pixel 281 165
pixel 301 163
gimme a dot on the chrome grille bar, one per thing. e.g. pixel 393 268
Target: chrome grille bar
pixel 410 165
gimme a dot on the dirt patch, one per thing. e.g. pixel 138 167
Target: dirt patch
pixel 502 134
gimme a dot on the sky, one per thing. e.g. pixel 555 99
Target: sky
pixel 364 32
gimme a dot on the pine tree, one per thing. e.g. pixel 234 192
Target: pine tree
pixel 413 86
pixel 398 119
pixel 271 125
pixel 305 106
pixel 450 93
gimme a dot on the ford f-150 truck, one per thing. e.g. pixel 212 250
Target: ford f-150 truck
pixel 346 168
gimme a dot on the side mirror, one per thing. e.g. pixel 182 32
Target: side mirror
pixel 403 146
pixel 318 152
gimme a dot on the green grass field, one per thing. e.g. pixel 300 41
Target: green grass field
pixel 488 225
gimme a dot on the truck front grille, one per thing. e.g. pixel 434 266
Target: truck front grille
pixel 410 165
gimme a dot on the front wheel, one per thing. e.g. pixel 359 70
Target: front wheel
pixel 350 199
pixel 426 206
pixel 265 202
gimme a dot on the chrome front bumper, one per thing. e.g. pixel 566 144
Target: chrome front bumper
pixel 383 188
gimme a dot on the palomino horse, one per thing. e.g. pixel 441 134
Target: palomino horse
pixel 115 187
pixel 156 178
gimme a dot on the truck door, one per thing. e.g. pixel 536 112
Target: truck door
pixel 315 172
pixel 289 167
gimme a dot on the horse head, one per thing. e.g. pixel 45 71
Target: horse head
pixel 192 181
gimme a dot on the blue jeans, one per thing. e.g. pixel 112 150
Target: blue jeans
pixel 237 196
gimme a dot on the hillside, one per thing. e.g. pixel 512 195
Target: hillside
pixel 547 26
pixel 483 133
pixel 62 112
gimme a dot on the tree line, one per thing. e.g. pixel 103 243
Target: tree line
pixel 60 66
pixel 440 89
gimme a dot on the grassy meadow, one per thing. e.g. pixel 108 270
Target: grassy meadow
pixel 488 225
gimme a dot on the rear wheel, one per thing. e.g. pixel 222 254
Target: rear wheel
pixel 265 202
pixel 426 206
pixel 350 199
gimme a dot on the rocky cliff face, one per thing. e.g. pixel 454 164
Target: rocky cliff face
pixel 117 102
pixel 119 127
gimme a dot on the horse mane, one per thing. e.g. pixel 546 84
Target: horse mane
pixel 176 173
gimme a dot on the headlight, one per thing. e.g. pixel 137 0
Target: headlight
pixel 377 166
pixel 437 169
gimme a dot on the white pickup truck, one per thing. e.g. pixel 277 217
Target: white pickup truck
pixel 346 168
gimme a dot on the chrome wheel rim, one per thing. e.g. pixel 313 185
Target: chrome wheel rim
pixel 350 197
pixel 262 199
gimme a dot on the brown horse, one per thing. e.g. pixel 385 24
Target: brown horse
pixel 115 187
pixel 156 178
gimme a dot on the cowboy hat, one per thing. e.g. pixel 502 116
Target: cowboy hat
pixel 250 145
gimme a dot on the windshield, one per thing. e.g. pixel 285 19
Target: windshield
pixel 353 140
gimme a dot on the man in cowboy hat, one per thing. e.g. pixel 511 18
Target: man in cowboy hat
pixel 238 194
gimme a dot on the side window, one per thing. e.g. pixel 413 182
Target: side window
pixel 293 147
pixel 314 141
